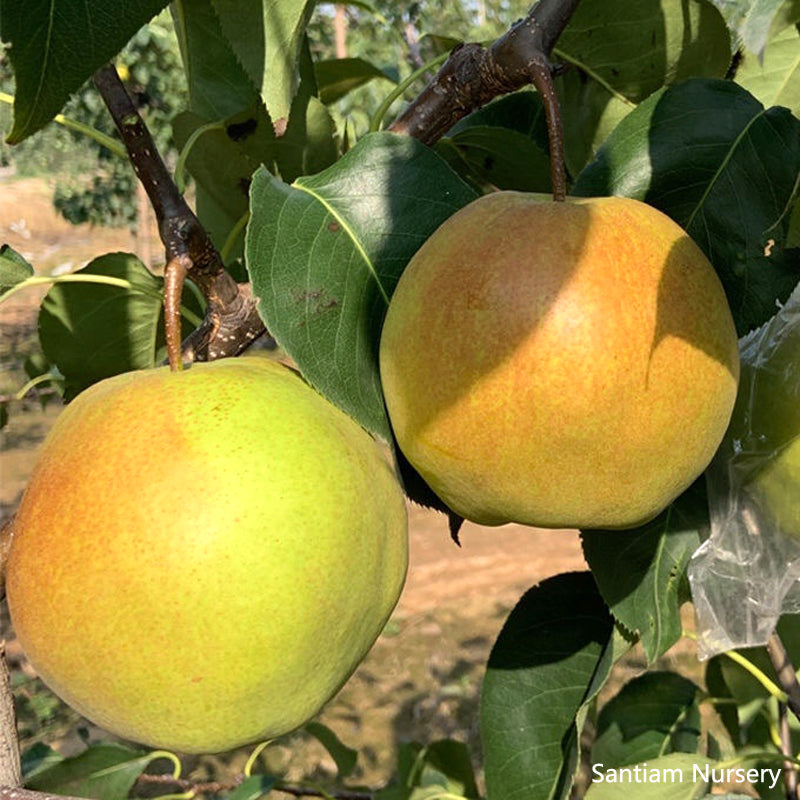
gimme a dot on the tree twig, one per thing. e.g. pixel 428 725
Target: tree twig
pixel 473 75
pixel 789 770
pixel 787 677
pixel 10 769
pixel 232 322
pixel 17 793
pixel 215 787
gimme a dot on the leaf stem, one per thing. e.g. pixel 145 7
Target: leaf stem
pixel 32 383
pixel 180 166
pixel 170 756
pixel 101 138
pixel 251 760
pixel 763 679
pixel 232 236
pixel 399 90
pixel 108 280
pixel 750 667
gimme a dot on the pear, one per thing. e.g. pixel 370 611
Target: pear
pixel 202 558
pixel 562 365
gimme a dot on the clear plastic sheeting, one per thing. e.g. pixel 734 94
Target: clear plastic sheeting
pixel 747 573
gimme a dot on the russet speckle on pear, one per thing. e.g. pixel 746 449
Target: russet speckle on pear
pixel 202 558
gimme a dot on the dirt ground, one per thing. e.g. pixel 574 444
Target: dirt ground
pixel 422 680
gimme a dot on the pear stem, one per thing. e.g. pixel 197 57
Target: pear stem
pixel 473 75
pixel 174 277
pixel 542 78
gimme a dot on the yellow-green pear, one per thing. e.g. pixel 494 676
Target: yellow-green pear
pixel 568 364
pixel 202 558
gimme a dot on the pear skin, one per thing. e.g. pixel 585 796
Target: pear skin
pixel 202 558
pixel 563 365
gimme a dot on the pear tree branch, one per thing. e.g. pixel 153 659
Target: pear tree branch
pixel 10 769
pixel 194 789
pixel 184 786
pixel 784 669
pixel 232 322
pixel 473 75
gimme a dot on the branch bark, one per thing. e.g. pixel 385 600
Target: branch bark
pixel 10 769
pixel 789 770
pixel 787 677
pixel 17 793
pixel 474 75
pixel 232 322
pixel 181 784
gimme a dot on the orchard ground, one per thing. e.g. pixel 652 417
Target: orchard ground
pixel 421 681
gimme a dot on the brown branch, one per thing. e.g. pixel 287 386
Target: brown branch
pixel 473 75
pixel 787 677
pixel 232 322
pixel 10 769
pixel 215 787
pixel 304 791
pixel 789 770
pixel 17 793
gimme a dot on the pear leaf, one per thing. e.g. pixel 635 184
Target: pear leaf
pixel 693 151
pixel 550 659
pixel 325 254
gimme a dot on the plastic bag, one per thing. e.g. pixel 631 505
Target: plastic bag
pixel 747 573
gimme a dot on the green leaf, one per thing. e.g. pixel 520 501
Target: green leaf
pixel 423 772
pixel 266 38
pixel 336 77
pixel 652 715
pixel 452 761
pixel 540 673
pixel 641 573
pixel 623 53
pixel 56 47
pixel 635 47
pixel 774 78
pixel 590 112
pixel 252 788
pixel 502 145
pixel 325 254
pixel 678 776
pixel 793 236
pixel 218 84
pixel 497 158
pixel 38 758
pixel 696 151
pixel 344 756
pixel 3 415
pixel 223 160
pixel 91 331
pixel 103 770
pixel 14 268
pixel 752 21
